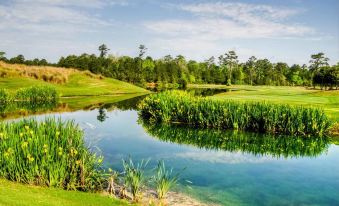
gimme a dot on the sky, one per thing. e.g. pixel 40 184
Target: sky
pixel 288 31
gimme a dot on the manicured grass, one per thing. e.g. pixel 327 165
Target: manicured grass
pixel 77 83
pixel 328 100
pixel 16 194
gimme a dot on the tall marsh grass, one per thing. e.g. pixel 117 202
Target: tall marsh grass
pixel 37 94
pixel 50 152
pixel 4 96
pixel 182 107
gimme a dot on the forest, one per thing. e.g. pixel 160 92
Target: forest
pixel 178 71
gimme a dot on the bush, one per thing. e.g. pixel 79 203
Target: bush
pixel 181 107
pixel 50 152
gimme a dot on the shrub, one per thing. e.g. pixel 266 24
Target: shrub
pixel 50 152
pixel 181 107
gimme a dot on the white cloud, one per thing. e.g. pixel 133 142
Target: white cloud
pixel 217 21
pixel 225 157
pixel 211 24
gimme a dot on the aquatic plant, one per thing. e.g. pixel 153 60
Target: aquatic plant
pixel 164 179
pixel 182 107
pixel 50 152
pixel 234 141
pixel 37 94
pixel 4 96
pixel 134 177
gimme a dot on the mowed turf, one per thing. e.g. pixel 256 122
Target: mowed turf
pixel 76 83
pixel 16 194
pixel 328 100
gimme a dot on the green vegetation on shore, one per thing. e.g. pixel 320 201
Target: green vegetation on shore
pixel 74 83
pixel 17 194
pixel 181 107
pixel 48 153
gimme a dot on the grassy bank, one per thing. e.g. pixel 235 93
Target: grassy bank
pixel 328 100
pixel 181 107
pixel 16 194
pixel 72 83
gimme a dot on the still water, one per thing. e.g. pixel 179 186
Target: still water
pixel 223 167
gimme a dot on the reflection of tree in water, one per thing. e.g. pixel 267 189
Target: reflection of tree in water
pixel 253 143
pixel 102 116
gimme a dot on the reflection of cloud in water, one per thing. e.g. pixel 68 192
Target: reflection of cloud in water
pixel 224 157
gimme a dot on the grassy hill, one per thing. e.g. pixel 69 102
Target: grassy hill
pixel 16 194
pixel 68 82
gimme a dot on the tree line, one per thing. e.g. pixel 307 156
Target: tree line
pixel 178 71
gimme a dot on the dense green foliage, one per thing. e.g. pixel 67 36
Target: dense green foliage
pixel 4 96
pixel 49 153
pixel 226 69
pixel 232 141
pixel 33 94
pixel 37 94
pixel 181 107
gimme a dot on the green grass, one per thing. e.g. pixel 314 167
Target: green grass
pixel 77 84
pixel 182 107
pixel 16 194
pixel 328 100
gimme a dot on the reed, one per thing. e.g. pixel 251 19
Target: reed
pixel 37 94
pixel 134 177
pixel 50 153
pixel 164 180
pixel 4 96
pixel 182 107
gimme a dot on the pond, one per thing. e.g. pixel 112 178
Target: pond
pixel 222 167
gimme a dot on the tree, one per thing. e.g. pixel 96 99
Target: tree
pixel 231 60
pixel 317 61
pixel 250 67
pixel 20 59
pixel 2 55
pixel 142 50
pixel 103 50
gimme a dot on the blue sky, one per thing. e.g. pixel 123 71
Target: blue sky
pixel 289 30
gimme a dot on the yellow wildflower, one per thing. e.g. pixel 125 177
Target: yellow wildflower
pixel 24 145
pixel 27 127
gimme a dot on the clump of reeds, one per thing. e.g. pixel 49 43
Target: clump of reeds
pixel 134 177
pixel 181 107
pixel 37 94
pixel 4 96
pixel 164 180
pixel 50 152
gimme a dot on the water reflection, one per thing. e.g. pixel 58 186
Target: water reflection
pixel 253 143
pixel 27 108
